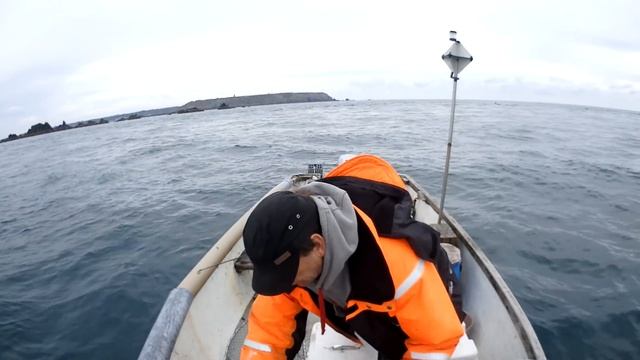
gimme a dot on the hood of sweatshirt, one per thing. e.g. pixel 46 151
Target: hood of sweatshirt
pixel 340 231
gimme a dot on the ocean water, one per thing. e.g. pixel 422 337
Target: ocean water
pixel 98 224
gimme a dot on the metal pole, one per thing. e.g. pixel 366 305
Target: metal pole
pixel 446 164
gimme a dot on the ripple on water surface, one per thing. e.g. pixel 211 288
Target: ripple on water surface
pixel 93 238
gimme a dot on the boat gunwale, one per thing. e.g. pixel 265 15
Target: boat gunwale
pixel 527 335
pixel 518 316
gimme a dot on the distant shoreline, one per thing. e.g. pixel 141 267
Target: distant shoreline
pixel 192 106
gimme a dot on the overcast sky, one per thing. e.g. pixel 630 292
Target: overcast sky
pixel 75 60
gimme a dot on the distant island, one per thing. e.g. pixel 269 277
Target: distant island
pixel 192 106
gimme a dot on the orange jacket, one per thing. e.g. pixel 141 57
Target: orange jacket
pixel 398 302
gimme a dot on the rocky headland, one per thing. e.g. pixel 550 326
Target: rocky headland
pixel 192 106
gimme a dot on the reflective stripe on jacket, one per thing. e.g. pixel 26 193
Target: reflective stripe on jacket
pixel 398 301
pixel 376 188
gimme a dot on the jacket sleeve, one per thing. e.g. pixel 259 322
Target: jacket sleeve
pixel 276 328
pixel 433 331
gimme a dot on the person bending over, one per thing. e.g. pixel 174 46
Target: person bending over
pixel 347 249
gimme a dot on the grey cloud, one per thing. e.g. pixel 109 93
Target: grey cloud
pixel 422 84
pixel 31 93
pixel 621 87
pixel 623 43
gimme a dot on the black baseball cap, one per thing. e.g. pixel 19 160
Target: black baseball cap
pixel 273 236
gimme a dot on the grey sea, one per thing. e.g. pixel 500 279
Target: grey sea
pixel 98 224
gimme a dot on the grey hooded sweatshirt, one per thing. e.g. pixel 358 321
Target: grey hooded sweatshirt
pixel 340 231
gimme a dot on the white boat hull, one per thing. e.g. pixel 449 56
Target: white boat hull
pixel 215 323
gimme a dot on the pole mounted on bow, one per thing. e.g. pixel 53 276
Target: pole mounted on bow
pixel 456 58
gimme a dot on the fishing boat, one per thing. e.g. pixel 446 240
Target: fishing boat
pixel 205 317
